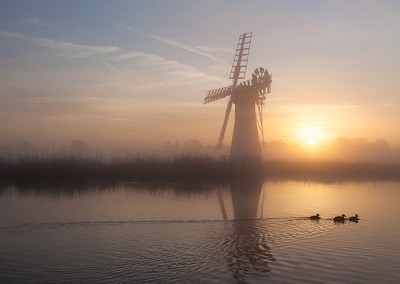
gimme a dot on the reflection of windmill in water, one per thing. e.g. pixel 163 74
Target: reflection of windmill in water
pixel 248 254
pixel 245 95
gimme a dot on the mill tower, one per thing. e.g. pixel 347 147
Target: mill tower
pixel 249 97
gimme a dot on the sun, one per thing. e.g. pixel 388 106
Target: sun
pixel 311 141
pixel 311 136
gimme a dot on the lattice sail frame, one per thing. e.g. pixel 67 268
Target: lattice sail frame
pixel 260 83
pixel 218 94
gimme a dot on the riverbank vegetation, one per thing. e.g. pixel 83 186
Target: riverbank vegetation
pixel 196 168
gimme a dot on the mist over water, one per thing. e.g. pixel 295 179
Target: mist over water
pixel 342 149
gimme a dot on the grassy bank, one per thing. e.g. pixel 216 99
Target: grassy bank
pixel 26 169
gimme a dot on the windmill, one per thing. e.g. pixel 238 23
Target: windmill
pixel 247 96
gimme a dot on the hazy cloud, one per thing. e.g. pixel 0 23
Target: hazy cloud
pixel 157 63
pixel 216 49
pixel 340 149
pixel 12 35
pixel 108 65
pixel 174 43
pixel 387 105
pixel 113 53
pixel 164 72
pixel 304 108
pixel 72 49
pixel 37 21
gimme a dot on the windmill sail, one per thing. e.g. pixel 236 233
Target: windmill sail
pixel 239 65
pixel 246 95
pixel 217 94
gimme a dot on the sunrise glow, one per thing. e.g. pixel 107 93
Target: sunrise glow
pixel 122 83
pixel 311 136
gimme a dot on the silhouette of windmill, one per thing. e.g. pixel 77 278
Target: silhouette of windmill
pixel 247 96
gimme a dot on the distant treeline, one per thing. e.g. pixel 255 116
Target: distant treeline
pixel 197 168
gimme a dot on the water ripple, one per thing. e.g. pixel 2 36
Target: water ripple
pixel 202 251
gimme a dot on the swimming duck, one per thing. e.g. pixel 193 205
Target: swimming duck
pixel 315 217
pixel 339 218
pixel 354 218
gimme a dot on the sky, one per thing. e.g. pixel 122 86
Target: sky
pixel 133 74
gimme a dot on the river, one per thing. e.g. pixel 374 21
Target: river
pixel 243 232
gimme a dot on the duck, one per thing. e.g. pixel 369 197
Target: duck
pixel 339 218
pixel 315 217
pixel 354 218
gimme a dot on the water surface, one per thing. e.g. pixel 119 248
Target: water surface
pixel 241 232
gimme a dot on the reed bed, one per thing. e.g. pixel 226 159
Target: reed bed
pixel 138 168
pixel 196 168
